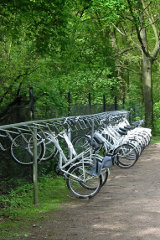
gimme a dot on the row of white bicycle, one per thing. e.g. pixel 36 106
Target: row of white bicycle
pixel 84 159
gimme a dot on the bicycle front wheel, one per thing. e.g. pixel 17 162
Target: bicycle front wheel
pixel 127 156
pixel 81 183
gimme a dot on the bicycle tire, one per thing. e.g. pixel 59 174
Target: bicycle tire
pixel 76 187
pixel 50 149
pixel 127 155
pixel 21 149
pixel 137 146
pixel 104 176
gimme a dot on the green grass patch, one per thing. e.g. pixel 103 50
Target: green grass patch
pixel 155 139
pixel 17 208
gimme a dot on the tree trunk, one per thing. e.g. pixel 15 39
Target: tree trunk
pixel 141 88
pixel 147 73
pixel 148 101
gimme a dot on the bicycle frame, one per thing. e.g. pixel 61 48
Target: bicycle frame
pixel 63 160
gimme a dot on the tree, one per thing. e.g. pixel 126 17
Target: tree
pixel 30 31
pixel 141 19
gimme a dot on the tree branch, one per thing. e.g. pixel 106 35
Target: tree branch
pixel 14 81
pixel 152 21
pixel 124 67
pixel 137 30
pixel 123 34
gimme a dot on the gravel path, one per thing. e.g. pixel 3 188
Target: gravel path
pixel 126 208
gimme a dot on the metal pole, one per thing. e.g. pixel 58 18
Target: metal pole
pixel 35 168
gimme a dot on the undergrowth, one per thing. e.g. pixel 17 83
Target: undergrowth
pixel 17 209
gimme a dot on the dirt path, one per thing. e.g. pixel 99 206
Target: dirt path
pixel 127 207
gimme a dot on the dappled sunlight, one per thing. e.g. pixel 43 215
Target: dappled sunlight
pixel 118 224
pixel 120 176
pixel 150 230
pixel 115 226
pixel 148 160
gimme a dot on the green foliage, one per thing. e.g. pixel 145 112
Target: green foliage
pixel 156 113
pixel 110 9
pixel 62 46
pixel 20 200
pixel 63 50
pixel 157 110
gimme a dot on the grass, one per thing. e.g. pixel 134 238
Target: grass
pixel 155 139
pixel 18 211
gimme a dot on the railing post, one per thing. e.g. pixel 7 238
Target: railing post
pixel 35 167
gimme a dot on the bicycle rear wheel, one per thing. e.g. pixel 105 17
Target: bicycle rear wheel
pixel 81 183
pixel 80 143
pixel 22 148
pixel 104 175
pixel 127 156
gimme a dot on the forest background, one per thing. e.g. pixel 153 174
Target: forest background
pixel 105 48
pixel 67 50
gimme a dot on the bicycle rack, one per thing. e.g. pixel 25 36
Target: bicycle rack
pixel 71 124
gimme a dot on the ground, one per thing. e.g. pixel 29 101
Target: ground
pixel 126 208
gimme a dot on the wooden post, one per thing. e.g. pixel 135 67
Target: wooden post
pixel 34 138
pixel 35 168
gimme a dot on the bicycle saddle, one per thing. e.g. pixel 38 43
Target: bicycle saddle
pixel 92 142
pixel 98 140
pixel 123 129
pixel 122 132
pixel 137 123
pixel 129 127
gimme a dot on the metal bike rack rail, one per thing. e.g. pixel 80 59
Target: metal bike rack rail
pixel 57 124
